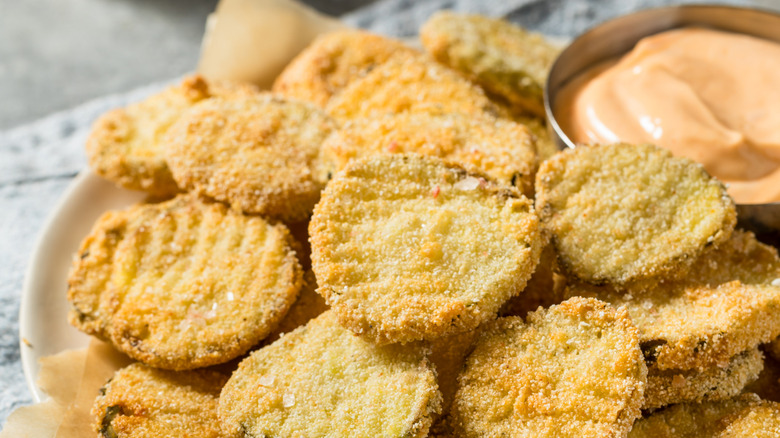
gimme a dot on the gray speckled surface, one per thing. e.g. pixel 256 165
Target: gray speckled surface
pixel 39 160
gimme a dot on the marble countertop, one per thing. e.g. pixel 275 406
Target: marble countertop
pixel 38 160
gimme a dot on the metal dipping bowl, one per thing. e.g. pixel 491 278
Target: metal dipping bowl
pixel 618 36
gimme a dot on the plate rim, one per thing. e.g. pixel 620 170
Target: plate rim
pixel 69 206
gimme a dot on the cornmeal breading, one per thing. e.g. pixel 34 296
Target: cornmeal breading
pixel 322 380
pixel 143 402
pixel 183 284
pixel 741 417
pixel 127 145
pixel 333 61
pixel 504 58
pixel 407 247
pixel 257 154
pixel 726 304
pixel 623 212
pixel 501 148
pixel 714 383
pixel 573 370
pixel 407 83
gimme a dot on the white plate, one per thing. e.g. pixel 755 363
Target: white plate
pixel 43 319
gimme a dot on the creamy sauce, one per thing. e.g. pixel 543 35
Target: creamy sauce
pixel 708 95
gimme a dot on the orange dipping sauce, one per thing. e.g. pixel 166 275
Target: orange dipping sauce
pixel 708 95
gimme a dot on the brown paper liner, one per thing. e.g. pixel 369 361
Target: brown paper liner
pixel 253 40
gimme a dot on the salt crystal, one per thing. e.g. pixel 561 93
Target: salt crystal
pixel 288 400
pixel 230 296
pixel 468 183
pixel 267 380
pixel 647 305
pixel 776 282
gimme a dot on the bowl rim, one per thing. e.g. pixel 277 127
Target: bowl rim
pixel 666 18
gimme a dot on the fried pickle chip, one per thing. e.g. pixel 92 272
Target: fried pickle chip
pixel 407 247
pixel 623 212
pixel 573 370
pixel 407 83
pixel 500 56
pixel 715 383
pixel 501 148
pixel 144 402
pixel 322 380
pixel 182 284
pixel 308 306
pixel 333 61
pixel 127 145
pixel 740 417
pixel 255 153
pixel 725 305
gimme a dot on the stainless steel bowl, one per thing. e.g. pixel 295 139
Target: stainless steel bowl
pixel 616 37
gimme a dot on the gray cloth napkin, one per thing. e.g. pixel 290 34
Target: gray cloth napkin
pixel 39 160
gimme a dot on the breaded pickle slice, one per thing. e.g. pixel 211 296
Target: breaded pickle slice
pixel 715 383
pixel 322 380
pixel 127 145
pixel 407 247
pixel 726 304
pixel 501 148
pixel 500 56
pixel 745 416
pixel 573 370
pixel 308 306
pixel 407 83
pixel 256 154
pixel 622 212
pixel 143 402
pixel 182 284
pixel 333 61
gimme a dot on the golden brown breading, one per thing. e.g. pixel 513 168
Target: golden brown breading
pixel 622 212
pixel 501 148
pixel 308 306
pixel 182 284
pixel 741 417
pixel 545 287
pixel 498 55
pixel 407 247
pixel 767 386
pixel 127 145
pixel 573 370
pixel 143 402
pixel 322 380
pixel 256 153
pixel 333 61
pixel 726 304
pixel 715 383
pixel 411 84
